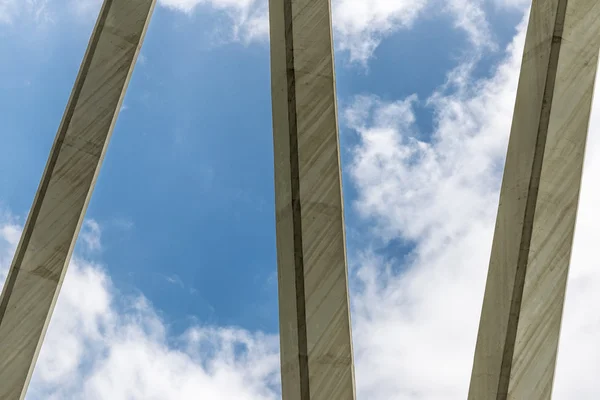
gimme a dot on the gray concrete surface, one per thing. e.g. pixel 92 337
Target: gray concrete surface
pixel 517 343
pixel 46 245
pixel 316 345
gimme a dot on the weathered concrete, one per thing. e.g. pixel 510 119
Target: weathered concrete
pixel 316 345
pixel 520 323
pixel 43 254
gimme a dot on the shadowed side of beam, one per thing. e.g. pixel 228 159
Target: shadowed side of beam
pixel 316 342
pixel 51 230
pixel 517 343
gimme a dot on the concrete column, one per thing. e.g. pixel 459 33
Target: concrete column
pixel 316 344
pixel 517 343
pixel 41 259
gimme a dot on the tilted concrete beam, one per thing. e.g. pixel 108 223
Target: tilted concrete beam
pixel 518 335
pixel 47 242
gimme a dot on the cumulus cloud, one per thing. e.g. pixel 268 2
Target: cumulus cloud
pixel 103 345
pixel 415 330
pixel 360 25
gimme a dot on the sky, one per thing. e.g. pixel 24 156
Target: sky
pixel 172 291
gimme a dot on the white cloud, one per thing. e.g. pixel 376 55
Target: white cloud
pixel 10 233
pixel 91 235
pixel 102 345
pixel 415 331
pixel 469 16
pixel 361 25
pixel 416 189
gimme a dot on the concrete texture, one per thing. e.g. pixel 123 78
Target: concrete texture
pixel 41 259
pixel 316 344
pixel 518 336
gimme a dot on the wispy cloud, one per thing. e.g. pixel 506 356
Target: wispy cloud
pixel 359 25
pixel 249 18
pixel 91 235
pixel 12 11
pixel 8 10
pixel 514 4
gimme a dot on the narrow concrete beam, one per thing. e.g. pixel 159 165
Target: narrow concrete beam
pixel 518 336
pixel 43 254
pixel 314 312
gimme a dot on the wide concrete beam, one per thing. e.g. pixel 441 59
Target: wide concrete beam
pixel 314 313
pixel 517 343
pixel 43 254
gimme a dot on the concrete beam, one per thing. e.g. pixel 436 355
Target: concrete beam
pixel 518 335
pixel 43 254
pixel 314 313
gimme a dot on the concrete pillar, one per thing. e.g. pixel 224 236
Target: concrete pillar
pixel 520 322
pixel 316 344
pixel 41 259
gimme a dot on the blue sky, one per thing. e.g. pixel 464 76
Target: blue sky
pixel 172 292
